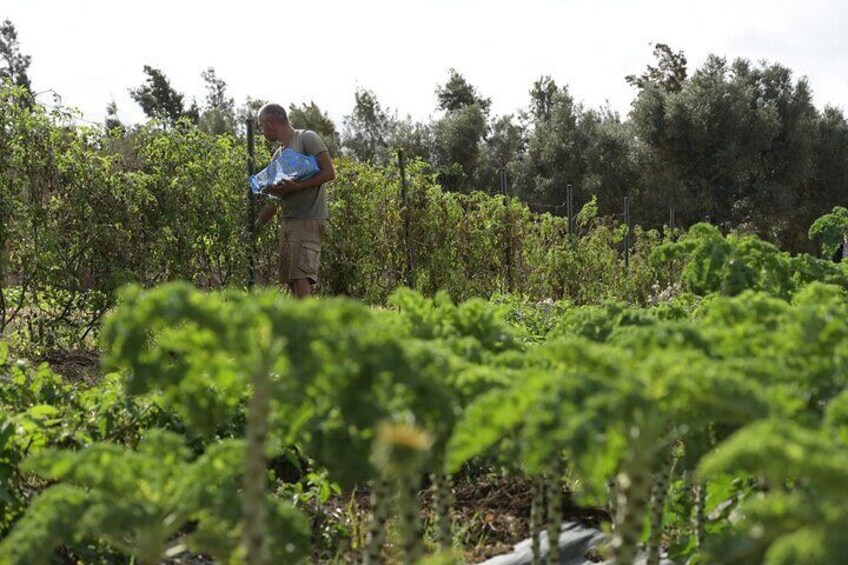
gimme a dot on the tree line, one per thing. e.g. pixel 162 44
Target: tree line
pixel 735 143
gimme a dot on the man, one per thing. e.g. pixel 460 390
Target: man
pixel 302 204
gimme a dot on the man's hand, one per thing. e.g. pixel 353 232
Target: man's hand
pixel 283 188
pixel 291 185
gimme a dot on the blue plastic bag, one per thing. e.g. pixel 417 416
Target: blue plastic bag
pixel 289 165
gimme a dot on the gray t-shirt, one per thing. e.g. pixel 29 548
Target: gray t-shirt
pixel 309 204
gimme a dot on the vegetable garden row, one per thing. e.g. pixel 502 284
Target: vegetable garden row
pixel 699 395
pixel 739 399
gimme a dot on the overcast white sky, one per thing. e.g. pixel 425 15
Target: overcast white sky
pixel 92 51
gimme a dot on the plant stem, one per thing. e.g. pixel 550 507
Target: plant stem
pixel 441 484
pixel 658 494
pixel 633 488
pixel 253 501
pixel 379 516
pixel 537 517
pixel 554 512
pixel 699 491
pixel 408 510
pixel 612 493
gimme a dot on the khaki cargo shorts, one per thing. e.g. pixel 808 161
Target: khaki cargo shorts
pixel 300 250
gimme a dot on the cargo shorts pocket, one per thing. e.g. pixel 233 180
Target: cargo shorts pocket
pixel 310 254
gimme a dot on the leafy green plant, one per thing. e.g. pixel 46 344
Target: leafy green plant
pixel 728 265
pixel 830 228
pixel 152 503
pixel 799 515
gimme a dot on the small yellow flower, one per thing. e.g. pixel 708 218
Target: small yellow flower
pixel 400 448
pixel 404 435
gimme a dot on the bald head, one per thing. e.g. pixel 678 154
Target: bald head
pixel 273 112
pixel 274 123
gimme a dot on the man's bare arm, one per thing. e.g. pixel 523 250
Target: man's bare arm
pixel 266 214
